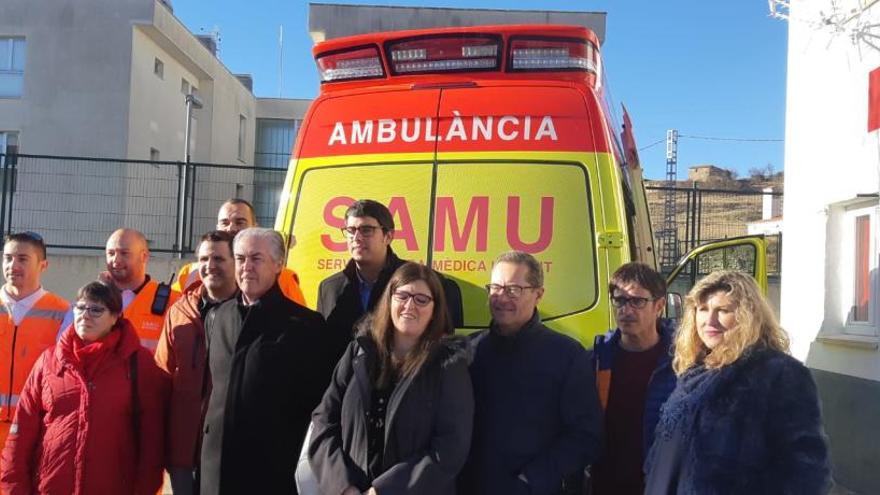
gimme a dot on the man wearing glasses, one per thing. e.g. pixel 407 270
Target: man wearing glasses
pixel 537 418
pixel 634 375
pixel 30 318
pixel 345 296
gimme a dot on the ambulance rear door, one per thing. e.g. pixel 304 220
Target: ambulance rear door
pixel 515 170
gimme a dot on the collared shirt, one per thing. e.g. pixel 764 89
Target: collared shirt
pixel 18 309
pixel 366 289
pixel 128 295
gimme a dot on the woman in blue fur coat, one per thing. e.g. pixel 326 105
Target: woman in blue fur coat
pixel 744 417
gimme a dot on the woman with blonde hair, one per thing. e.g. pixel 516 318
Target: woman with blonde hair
pixel 744 417
pixel 397 416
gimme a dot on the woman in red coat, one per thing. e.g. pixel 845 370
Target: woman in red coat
pixel 91 416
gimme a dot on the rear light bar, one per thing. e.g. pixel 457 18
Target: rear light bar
pixel 350 64
pixel 447 53
pixel 552 54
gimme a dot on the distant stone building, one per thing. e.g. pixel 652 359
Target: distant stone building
pixel 709 173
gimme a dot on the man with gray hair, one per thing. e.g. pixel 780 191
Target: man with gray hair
pixel 537 418
pixel 270 360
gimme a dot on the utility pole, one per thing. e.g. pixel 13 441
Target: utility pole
pixel 669 233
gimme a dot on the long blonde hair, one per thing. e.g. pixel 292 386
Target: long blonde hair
pixel 756 323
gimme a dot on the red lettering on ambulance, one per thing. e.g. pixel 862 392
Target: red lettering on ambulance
pixel 405 231
pixel 335 222
pixel 478 212
pixel 545 228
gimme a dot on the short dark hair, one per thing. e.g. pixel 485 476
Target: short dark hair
pixel 106 294
pixel 535 277
pixel 218 236
pixel 28 237
pixel 641 274
pixel 370 208
pixel 240 201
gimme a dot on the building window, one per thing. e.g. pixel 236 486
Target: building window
pixel 242 136
pixel 8 146
pixel 154 155
pixel 854 265
pixel 12 56
pixel 159 68
pixel 184 86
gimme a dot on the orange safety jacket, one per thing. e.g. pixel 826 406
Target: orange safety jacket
pixel 21 345
pixel 288 280
pixel 147 311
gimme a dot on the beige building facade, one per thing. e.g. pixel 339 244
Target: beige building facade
pixel 109 79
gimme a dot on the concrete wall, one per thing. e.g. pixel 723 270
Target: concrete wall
pixel 328 21
pixel 77 60
pixel 67 273
pixel 831 159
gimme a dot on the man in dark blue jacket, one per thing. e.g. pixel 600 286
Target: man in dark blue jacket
pixel 634 376
pixel 537 418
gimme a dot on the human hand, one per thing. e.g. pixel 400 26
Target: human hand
pixel 351 491
pixel 372 491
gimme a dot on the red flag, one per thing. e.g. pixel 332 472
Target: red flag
pixel 874 100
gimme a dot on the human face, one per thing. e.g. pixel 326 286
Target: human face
pixel 255 269
pixel 715 316
pixel 369 250
pixel 126 259
pixel 512 313
pixel 640 323
pixel 235 217
pixel 91 328
pixel 409 318
pixel 216 268
pixel 22 267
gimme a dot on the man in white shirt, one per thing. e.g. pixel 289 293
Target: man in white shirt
pixel 30 318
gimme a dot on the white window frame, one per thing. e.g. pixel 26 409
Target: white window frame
pixel 6 66
pixel 872 210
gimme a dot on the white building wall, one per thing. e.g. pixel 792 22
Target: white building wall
pixel 829 158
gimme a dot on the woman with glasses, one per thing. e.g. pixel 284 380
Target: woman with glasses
pixel 397 416
pixel 744 417
pixel 91 415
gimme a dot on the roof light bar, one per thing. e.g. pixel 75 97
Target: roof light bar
pixel 358 63
pixel 553 54
pixel 444 53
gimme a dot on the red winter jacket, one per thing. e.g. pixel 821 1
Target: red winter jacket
pixel 70 436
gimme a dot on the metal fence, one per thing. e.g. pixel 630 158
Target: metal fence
pixel 76 202
pixel 706 215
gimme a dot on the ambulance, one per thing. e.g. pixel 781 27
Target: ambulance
pixel 479 140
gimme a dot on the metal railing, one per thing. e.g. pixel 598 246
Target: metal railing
pixel 76 202
pixel 704 215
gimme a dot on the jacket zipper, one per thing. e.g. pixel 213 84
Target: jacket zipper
pixel 11 373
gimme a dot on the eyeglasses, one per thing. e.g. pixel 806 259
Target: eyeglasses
pixel 633 302
pixel 93 311
pixel 420 300
pixel 512 290
pixel 365 231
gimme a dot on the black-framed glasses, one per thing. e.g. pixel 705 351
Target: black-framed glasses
pixel 403 296
pixel 512 290
pixel 364 230
pixel 94 311
pixel 633 302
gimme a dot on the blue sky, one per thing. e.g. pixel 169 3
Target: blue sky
pixel 708 69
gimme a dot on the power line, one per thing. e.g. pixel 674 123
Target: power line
pixel 655 143
pixel 739 140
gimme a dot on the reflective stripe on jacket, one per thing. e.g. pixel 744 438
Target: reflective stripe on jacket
pixel 21 345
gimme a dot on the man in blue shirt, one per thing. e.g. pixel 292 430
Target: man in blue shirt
pixel 537 417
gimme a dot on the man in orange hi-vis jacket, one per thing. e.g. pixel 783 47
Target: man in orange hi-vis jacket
pixel 234 216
